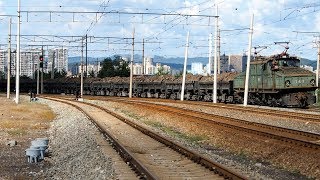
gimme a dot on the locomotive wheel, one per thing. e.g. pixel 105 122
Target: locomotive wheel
pixel 303 103
pixel 173 96
pixel 207 97
pixel 162 96
pixel 144 95
pixel 112 94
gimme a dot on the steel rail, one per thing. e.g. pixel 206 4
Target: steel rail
pixel 197 158
pixel 269 112
pixel 139 168
pixel 210 118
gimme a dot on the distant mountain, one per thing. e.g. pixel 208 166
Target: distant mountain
pixel 309 62
pixel 77 59
pixel 180 60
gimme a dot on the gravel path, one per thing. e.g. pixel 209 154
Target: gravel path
pixel 75 154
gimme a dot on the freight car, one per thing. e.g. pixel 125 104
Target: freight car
pixel 277 80
pixel 274 81
pixel 167 87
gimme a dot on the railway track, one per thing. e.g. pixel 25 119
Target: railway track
pixel 311 117
pixel 151 155
pixel 295 137
pixel 271 112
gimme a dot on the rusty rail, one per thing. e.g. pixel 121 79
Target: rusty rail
pixel 209 118
pixel 139 168
pixel 197 158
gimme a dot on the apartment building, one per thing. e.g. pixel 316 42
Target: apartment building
pixel 29 60
pixel 57 59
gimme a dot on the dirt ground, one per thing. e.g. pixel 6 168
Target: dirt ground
pixel 23 123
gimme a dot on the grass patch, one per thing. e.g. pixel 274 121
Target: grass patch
pixel 16 119
pixel 40 126
pixel 14 123
pixel 16 132
pixel 243 154
pixel 131 114
pixel 174 133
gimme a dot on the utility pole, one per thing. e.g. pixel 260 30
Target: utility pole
pixel 215 60
pixel 98 65
pixel 210 55
pixel 317 73
pixel 184 68
pixel 143 63
pixel 81 83
pixel 219 47
pixel 53 64
pixel 42 70
pixel 38 73
pixel 246 87
pixel 18 57
pixel 9 60
pixel 131 66
pixel 318 66
pixel 86 73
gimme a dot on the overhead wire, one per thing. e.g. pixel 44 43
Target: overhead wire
pixel 93 23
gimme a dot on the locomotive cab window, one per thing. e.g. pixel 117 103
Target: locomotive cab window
pixel 264 66
pixel 284 63
pixel 274 65
pixel 293 63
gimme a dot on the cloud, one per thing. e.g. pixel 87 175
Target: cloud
pixel 275 20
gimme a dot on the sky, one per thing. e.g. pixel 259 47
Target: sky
pixel 163 26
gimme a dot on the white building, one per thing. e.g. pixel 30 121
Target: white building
pixel 29 60
pixel 166 68
pixel 91 68
pixel 148 65
pixel 4 62
pixel 57 59
pixel 137 69
pixel 149 68
pixel 236 63
pixel 197 68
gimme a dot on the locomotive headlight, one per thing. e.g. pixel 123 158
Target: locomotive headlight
pixel 287 83
pixel 312 82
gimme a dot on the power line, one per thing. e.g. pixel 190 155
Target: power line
pixel 93 23
pixel 112 12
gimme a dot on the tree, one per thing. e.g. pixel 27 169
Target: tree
pixel 60 74
pixel 161 71
pixel 57 74
pixel 91 73
pixel 178 74
pixel 121 67
pixel 107 69
pixel 115 67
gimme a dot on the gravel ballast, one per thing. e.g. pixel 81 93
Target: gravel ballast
pixel 74 153
pixel 256 163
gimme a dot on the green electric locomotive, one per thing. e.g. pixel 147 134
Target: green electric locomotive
pixel 277 81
